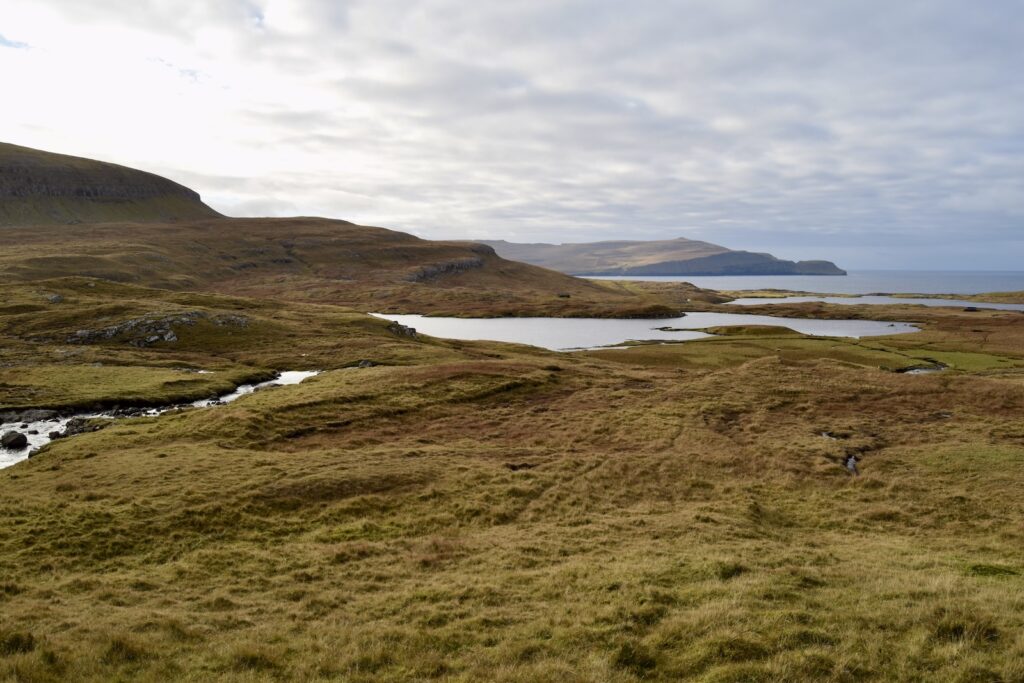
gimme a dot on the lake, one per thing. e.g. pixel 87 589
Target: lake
pixel 861 282
pixel 566 334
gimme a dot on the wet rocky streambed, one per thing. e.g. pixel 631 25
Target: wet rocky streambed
pixel 24 432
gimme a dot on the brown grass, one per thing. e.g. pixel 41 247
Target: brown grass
pixel 680 516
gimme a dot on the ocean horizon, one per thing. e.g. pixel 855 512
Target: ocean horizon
pixel 858 281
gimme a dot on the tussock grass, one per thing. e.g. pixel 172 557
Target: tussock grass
pixel 681 517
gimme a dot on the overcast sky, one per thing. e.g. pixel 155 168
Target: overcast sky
pixel 873 133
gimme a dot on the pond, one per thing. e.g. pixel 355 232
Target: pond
pixel 567 334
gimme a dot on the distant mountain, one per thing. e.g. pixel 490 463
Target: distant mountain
pixel 38 187
pixel 678 256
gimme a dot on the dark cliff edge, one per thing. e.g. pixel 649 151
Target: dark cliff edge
pixel 38 187
pixel 678 256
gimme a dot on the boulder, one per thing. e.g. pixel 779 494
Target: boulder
pixel 14 441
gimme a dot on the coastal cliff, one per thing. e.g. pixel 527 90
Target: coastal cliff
pixel 678 256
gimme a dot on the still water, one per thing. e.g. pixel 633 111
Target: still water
pixel 861 282
pixel 565 334
pixel 851 301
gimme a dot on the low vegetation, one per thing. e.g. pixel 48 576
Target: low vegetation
pixel 314 260
pixel 466 511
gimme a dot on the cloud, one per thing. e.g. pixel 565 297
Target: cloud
pixel 4 42
pixel 796 127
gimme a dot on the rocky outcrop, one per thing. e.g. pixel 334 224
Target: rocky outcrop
pixel 153 329
pixel 79 425
pixel 401 330
pixel 43 187
pixel 436 270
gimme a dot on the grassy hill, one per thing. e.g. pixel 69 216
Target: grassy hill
pixel 437 510
pixel 63 216
pixel 38 187
pixel 678 256
pixel 315 259
pixel 468 511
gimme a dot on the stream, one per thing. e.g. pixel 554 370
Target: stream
pixel 48 423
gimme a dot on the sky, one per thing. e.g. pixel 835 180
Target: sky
pixel 874 134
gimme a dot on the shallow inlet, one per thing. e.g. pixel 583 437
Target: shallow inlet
pixel 43 428
pixel 568 334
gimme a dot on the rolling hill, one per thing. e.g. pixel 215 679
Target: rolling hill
pixel 66 216
pixel 678 256
pixel 433 509
pixel 317 260
pixel 38 187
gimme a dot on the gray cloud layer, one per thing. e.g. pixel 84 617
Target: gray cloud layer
pixel 874 133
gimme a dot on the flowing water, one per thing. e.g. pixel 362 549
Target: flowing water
pixel 43 428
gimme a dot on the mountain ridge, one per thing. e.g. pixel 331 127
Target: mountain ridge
pixel 678 256
pixel 38 187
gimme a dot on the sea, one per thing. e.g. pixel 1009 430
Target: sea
pixel 860 282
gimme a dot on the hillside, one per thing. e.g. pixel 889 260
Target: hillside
pixel 316 259
pixel 678 256
pixel 38 187
pixel 430 509
pixel 67 216
pixel 472 511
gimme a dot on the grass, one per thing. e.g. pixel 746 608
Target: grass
pixel 43 187
pixel 321 261
pixel 75 386
pixel 363 526
pixel 468 511
pixel 734 346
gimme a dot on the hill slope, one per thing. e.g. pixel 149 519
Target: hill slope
pixel 678 256
pixel 38 187
pixel 316 259
pixel 67 216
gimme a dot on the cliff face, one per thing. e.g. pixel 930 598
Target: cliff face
pixel 600 257
pixel 662 257
pixel 38 187
pixel 736 263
